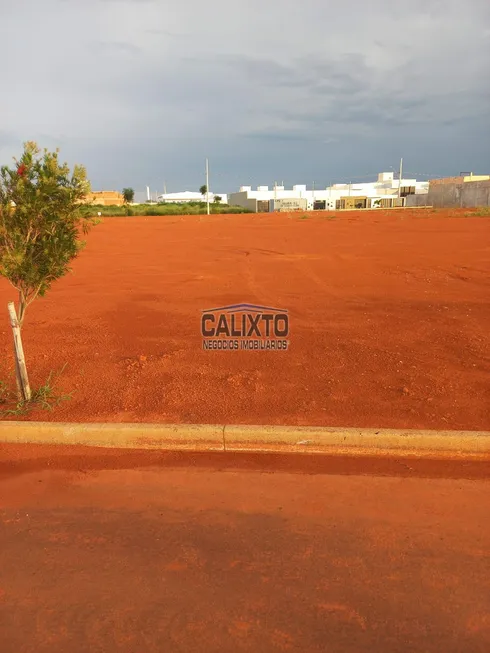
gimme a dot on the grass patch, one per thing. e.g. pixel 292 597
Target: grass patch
pixel 4 393
pixel 190 208
pixel 304 217
pixel 480 212
pixel 44 397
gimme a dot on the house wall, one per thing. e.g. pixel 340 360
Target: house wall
pixel 459 194
pixel 385 187
pixel 421 199
pixel 446 180
pixel 189 196
pixel 105 198
pixel 242 199
pixel 477 178
pixel 289 204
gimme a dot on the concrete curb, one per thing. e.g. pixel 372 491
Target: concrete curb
pixel 280 439
pixel 195 437
pixel 374 441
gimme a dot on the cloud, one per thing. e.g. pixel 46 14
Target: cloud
pixel 144 90
pixel 165 32
pixel 116 48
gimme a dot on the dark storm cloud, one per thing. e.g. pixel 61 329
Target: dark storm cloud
pixel 144 90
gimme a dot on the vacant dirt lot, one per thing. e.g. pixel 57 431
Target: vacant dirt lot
pixel 390 321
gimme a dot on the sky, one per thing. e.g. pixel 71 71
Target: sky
pixel 142 91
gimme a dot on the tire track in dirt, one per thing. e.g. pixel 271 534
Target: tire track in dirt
pixel 298 265
pixel 305 269
pixel 320 286
pixel 256 288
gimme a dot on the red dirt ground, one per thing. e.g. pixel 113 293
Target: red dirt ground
pixel 390 321
pixel 135 552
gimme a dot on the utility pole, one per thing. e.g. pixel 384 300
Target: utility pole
pixel 275 191
pixel 313 194
pixel 400 179
pixel 164 188
pixel 207 185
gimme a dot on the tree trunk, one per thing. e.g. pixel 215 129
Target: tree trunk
pixel 22 308
pixel 23 386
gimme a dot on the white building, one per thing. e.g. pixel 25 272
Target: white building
pixel 385 189
pixel 189 196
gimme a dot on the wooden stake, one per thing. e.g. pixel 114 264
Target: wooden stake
pixel 20 362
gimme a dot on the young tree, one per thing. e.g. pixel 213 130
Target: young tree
pixel 203 190
pixel 128 194
pixel 42 217
pixel 217 199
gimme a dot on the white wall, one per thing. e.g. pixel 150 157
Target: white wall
pixel 373 190
pixel 245 198
pixel 189 196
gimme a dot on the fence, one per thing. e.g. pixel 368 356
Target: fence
pixel 421 199
pixel 459 194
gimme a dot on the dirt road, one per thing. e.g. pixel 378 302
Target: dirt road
pixel 389 316
pixel 130 552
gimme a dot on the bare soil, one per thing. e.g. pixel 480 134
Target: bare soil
pixel 390 321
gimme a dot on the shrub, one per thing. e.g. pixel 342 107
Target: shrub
pixel 42 218
pixel 482 212
pixel 190 208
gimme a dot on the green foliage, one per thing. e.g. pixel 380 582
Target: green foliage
pixel 230 209
pixel 4 392
pixel 217 199
pixel 189 208
pixel 128 194
pixel 482 212
pixel 41 220
pixel 203 190
pixel 44 397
